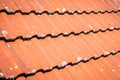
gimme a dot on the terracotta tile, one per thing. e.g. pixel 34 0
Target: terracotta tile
pixel 39 6
pixel 59 58
pixel 103 69
pixel 9 68
pixel 114 4
pixel 29 25
pixel 44 54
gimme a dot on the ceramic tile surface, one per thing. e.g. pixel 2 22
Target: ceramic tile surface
pixel 61 6
pixel 59 40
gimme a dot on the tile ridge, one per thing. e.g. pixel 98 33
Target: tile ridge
pixel 58 12
pixel 53 35
pixel 33 72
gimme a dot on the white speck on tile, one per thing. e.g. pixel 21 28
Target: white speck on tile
pixel 103 29
pixel 91 27
pixel 42 35
pixel 79 11
pixel 79 59
pixel 64 63
pixel 8 45
pixel 71 11
pixel 86 59
pixel 29 36
pixel 12 77
pixel 11 68
pixel 16 67
pixel 33 71
pixel 51 68
pixel 38 15
pixel 112 28
pixel 106 52
pixel 85 31
pixel 65 33
pixel 101 70
pixel 1 74
pixel 53 34
pixel 49 14
pixel 6 7
pixel 64 9
pixel 113 70
pixel 4 33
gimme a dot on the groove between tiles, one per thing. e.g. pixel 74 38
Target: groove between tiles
pixel 57 12
pixel 62 67
pixel 57 35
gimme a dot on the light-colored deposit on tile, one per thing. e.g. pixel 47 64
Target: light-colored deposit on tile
pixel 64 9
pixel 112 28
pixel 53 34
pixel 1 74
pixel 79 59
pixel 64 63
pixel 42 35
pixel 65 33
pixel 85 32
pixel 113 70
pixel 89 25
pixel 106 52
pixel 15 66
pixel 4 33
pixel 33 71
pixel 12 77
pixel 8 45
pixel 11 68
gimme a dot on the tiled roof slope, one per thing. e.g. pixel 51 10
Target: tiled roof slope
pixel 37 25
pixel 73 40
pixel 60 6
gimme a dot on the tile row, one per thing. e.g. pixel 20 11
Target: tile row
pixel 27 26
pixel 107 68
pixel 26 56
pixel 61 6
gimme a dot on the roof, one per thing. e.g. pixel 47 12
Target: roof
pixel 68 40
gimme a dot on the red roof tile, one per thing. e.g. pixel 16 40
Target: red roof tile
pixel 61 6
pixel 30 25
pixel 36 54
pixel 103 69
pixel 68 40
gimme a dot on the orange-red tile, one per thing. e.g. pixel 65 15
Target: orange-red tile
pixel 16 25
pixel 107 68
pixel 51 6
pixel 37 54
